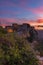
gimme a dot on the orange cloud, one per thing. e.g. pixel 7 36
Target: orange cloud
pixel 40 20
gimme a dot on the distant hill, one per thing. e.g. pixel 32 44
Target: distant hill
pixel 40 34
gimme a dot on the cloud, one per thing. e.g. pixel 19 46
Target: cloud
pixel 12 20
pixel 19 3
pixel 7 21
pixel 3 12
pixel 7 3
pixel 40 20
pixel 37 10
pixel 26 5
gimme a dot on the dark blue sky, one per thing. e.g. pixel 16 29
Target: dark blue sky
pixel 19 9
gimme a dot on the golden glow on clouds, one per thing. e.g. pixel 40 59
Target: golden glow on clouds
pixel 36 26
pixel 37 23
pixel 39 28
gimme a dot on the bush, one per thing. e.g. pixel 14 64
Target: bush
pixel 18 53
pixel 2 30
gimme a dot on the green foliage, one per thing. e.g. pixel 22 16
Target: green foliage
pixel 15 50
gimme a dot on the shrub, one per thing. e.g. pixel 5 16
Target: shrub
pixel 18 53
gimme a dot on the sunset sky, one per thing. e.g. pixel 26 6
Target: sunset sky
pixel 21 10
